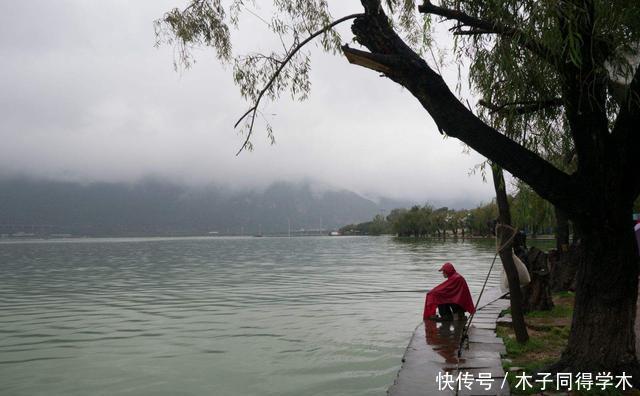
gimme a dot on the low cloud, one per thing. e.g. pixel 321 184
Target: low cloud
pixel 86 97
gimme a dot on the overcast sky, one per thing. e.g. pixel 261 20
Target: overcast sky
pixel 85 96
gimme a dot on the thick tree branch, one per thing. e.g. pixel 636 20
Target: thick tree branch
pixel 521 108
pixel 481 26
pixel 409 70
pixel 584 93
pixel 254 109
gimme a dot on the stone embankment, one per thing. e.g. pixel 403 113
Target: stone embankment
pixel 432 355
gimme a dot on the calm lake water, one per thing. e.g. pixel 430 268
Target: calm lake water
pixel 216 316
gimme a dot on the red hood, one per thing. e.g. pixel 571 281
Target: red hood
pixel 448 269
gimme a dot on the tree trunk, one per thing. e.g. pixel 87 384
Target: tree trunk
pixel 597 197
pixel 603 327
pixel 562 230
pixel 515 294
pixel 563 267
pixel 537 295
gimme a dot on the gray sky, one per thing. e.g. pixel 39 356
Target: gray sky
pixel 85 96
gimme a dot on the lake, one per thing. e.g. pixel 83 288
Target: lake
pixel 217 316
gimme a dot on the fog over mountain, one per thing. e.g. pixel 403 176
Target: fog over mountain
pixel 160 208
pixel 86 97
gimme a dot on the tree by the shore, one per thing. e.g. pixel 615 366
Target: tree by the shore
pixel 530 214
pixel 568 66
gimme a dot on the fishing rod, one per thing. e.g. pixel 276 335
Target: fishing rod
pixel 363 292
pixel 465 330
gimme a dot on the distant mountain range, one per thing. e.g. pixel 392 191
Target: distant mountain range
pixel 30 207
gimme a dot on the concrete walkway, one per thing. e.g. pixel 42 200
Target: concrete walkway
pixel 432 354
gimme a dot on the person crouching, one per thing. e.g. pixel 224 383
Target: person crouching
pixel 450 297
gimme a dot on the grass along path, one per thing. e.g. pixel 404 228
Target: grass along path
pixel 548 335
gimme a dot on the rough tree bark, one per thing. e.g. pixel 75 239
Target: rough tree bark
pixel 564 260
pixel 602 333
pixel 563 267
pixel 598 197
pixel 506 256
pixel 537 295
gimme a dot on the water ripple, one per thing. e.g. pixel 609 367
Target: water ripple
pixel 295 316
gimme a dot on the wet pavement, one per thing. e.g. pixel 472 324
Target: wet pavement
pixel 431 365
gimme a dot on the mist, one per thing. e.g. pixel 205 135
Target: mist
pixel 86 97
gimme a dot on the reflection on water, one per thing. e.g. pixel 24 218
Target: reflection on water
pixel 444 338
pixel 224 316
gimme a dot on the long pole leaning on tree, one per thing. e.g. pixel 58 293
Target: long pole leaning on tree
pixel 506 256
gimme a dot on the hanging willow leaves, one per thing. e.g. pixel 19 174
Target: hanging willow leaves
pixel 295 23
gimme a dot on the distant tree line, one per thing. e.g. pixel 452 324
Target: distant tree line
pixel 425 221
pixel 530 213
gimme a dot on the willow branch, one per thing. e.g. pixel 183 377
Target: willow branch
pixel 275 75
pixel 521 108
pixel 481 26
pixel 471 32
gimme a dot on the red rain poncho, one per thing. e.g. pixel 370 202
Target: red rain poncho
pixel 454 290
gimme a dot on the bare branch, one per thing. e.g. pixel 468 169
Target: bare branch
pixel 256 57
pixel 408 69
pixel 376 62
pixel 482 26
pixel 470 32
pixel 521 108
pixel 275 75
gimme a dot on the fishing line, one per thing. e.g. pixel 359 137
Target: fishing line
pixel 362 292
